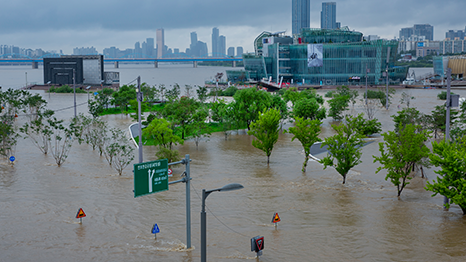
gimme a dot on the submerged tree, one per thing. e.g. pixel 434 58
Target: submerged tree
pixel 345 147
pixel 265 130
pixel 451 182
pixel 307 132
pixel 39 131
pixel 249 102
pixel 61 140
pixel 119 150
pixel 160 131
pixel 403 150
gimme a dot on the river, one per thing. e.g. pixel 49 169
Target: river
pixel 321 219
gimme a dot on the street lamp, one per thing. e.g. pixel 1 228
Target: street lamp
pixel 87 88
pixel 205 194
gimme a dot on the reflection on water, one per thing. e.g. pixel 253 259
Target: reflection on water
pixel 321 219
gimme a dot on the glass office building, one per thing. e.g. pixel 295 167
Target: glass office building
pixel 322 57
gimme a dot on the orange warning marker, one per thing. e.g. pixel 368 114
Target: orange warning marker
pixel 276 218
pixel 80 213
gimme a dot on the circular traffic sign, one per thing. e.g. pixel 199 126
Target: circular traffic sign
pixel 170 172
pixel 12 158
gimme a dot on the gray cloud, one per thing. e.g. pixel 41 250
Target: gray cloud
pixel 62 24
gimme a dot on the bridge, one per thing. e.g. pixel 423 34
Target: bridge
pixel 4 59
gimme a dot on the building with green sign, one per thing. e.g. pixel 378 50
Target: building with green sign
pixel 320 57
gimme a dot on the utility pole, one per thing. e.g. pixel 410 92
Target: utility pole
pixel 139 97
pixel 388 57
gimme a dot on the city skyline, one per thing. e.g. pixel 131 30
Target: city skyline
pixel 55 25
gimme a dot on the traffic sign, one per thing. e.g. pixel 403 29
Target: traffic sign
pixel 80 213
pixel 260 243
pixel 150 177
pixel 170 173
pixel 12 158
pixel 155 229
pixel 276 218
pixel 257 244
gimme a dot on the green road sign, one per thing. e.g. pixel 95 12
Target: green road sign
pixel 150 177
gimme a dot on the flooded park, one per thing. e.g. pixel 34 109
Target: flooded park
pixel 321 219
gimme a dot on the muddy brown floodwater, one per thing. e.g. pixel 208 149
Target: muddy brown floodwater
pixel 321 219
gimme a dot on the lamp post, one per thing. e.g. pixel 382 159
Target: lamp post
pixel 74 91
pixel 48 85
pixel 87 88
pixel 205 194
pixel 139 98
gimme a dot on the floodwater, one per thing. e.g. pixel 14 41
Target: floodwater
pixel 321 219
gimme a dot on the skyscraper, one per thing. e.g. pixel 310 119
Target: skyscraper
pixel 197 48
pixel 222 45
pixel 328 16
pixel 300 15
pixel 231 51
pixel 193 38
pixel 424 30
pixel 239 51
pixel 215 36
pixel 150 47
pixel 160 42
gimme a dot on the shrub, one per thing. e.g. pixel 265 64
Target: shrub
pixel 443 95
pixel 230 91
pixel 65 89
pixel 329 94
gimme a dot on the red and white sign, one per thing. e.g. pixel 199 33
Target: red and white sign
pixel 170 172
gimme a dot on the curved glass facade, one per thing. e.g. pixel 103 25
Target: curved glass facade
pixel 345 59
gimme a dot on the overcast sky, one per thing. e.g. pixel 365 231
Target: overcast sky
pixel 63 24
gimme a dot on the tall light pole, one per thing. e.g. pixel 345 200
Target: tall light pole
pixel 366 82
pixel 388 57
pixel 205 194
pixel 87 88
pixel 74 91
pixel 447 124
pixel 139 97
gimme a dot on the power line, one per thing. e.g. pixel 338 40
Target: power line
pixel 216 216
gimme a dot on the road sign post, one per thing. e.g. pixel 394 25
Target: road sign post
pixel 80 215
pixel 155 230
pixel 257 245
pixel 276 219
pixel 150 177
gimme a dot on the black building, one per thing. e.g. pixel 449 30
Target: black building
pixel 59 71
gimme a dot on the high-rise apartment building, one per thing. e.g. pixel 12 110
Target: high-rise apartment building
pixel 222 45
pixel 406 33
pixel 424 30
pixel 328 16
pixel 231 52
pixel 193 38
pixel 417 31
pixel 239 51
pixel 215 36
pixel 300 15
pixel 137 50
pixel 149 47
pixel 160 42
pixel 197 48
pixel 455 35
